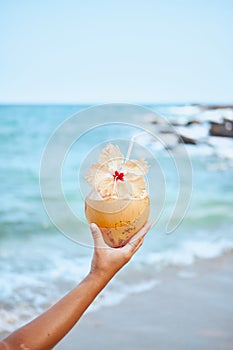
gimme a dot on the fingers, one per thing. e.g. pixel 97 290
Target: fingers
pixel 136 241
pixel 142 232
pixel 146 227
pixel 97 236
pixel 135 245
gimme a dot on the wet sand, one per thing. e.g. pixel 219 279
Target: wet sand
pixel 191 308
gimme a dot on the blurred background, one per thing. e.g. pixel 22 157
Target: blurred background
pixel 60 57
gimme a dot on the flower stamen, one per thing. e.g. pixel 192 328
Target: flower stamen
pixel 118 176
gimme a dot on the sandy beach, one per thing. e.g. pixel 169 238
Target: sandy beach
pixel 191 308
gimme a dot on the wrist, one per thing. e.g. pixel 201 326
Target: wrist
pixel 100 277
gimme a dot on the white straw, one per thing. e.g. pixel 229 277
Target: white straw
pixel 131 145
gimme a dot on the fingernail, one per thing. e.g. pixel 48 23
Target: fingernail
pixel 93 227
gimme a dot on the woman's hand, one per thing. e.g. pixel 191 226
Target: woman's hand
pixel 108 261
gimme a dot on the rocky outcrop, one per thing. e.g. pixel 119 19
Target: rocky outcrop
pixel 187 140
pixel 222 129
pixel 212 127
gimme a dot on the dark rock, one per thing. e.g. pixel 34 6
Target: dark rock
pixel 177 123
pixel 187 140
pixel 214 107
pixel 222 129
pixel 193 122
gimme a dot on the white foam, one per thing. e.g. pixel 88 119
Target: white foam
pixel 200 150
pixel 196 132
pixel 185 110
pixel 188 251
pixel 216 115
pixel 223 146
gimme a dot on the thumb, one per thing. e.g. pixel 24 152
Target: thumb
pixel 97 236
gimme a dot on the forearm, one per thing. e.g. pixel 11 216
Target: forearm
pixel 47 330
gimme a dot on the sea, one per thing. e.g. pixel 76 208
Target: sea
pixel 41 260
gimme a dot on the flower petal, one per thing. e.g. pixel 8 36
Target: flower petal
pixel 91 173
pixel 111 157
pixel 123 189
pixel 137 186
pixel 137 167
pixel 95 173
pixel 106 187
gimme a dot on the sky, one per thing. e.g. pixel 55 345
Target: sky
pixel 95 51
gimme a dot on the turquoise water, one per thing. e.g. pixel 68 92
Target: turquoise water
pixel 38 263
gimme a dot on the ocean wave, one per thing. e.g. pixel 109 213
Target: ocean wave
pixel 25 295
pixel 188 252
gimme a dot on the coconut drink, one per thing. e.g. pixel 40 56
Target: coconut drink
pixel 118 201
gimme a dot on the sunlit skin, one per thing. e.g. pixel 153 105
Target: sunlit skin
pixel 45 331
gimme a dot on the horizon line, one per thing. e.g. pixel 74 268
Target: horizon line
pixel 56 103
